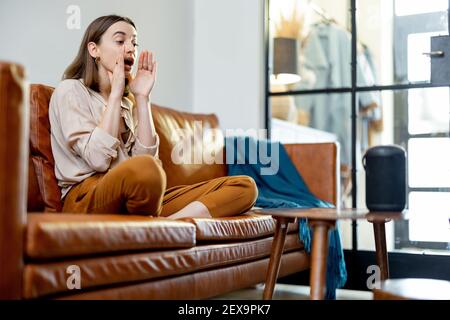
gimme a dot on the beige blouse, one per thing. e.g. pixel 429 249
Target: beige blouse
pixel 80 148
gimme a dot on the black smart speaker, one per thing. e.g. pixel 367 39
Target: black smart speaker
pixel 385 178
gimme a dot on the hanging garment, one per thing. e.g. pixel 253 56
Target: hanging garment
pixel 327 56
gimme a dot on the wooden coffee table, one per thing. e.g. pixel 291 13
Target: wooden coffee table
pixel 321 221
pixel 412 289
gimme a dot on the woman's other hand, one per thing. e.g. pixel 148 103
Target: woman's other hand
pixel 142 84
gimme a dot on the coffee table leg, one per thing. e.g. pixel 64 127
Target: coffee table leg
pixel 319 258
pixel 275 257
pixel 381 251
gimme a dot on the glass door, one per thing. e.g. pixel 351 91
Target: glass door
pixel 422 126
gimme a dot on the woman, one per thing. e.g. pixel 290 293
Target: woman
pixel 105 146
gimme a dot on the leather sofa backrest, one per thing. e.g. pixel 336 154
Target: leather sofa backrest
pixel 43 191
pixel 319 167
pixel 47 196
pixel 192 136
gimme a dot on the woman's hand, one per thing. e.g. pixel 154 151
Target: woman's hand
pixel 117 78
pixel 143 83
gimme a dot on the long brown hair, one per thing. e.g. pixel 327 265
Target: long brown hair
pixel 84 66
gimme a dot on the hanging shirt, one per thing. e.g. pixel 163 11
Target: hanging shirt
pixel 80 148
pixel 327 56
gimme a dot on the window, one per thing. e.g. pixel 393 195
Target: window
pixel 413 7
pixel 394 99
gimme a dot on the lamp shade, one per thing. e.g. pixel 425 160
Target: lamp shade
pixel 285 67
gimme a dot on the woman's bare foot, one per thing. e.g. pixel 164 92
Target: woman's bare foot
pixel 194 209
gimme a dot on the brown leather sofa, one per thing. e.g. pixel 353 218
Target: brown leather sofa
pixel 125 256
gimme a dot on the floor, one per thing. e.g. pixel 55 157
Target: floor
pixel 291 292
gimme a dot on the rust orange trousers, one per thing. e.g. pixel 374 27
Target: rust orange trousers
pixel 138 186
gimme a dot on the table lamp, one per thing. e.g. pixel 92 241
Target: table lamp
pixel 285 57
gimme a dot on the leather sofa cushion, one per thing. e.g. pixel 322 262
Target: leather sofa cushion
pixel 64 235
pixel 41 152
pixel 50 278
pixel 246 226
pixel 174 126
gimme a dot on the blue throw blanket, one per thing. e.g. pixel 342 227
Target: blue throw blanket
pixel 281 186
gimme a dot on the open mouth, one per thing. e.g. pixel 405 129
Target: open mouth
pixel 128 62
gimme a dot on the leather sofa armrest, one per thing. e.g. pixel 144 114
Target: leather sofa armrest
pixel 13 177
pixel 318 164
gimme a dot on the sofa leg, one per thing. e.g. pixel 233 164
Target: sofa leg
pixel 275 257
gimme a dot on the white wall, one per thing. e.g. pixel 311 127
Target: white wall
pixel 34 33
pixel 229 61
pixel 210 52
